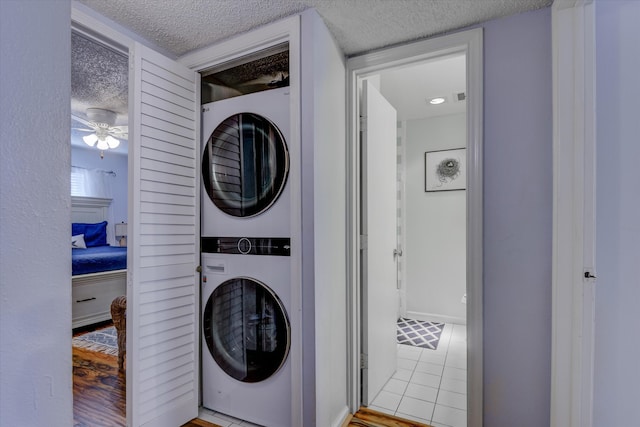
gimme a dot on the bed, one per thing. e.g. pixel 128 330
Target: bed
pixel 99 271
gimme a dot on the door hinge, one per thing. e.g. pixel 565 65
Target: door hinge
pixel 363 123
pixel 363 241
pixel 364 361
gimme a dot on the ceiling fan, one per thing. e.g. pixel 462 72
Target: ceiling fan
pixel 105 135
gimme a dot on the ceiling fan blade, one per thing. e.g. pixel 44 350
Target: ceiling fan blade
pixel 82 121
pixel 119 131
pixel 84 130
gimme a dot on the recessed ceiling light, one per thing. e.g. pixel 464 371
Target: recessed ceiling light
pixel 436 101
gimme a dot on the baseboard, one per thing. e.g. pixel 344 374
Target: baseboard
pixel 416 315
pixel 342 420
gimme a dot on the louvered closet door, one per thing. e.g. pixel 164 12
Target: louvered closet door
pixel 162 306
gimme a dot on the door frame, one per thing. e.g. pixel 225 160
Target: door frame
pixel 574 201
pixel 86 23
pixel 470 43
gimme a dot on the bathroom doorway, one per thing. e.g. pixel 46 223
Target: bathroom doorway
pixel 431 382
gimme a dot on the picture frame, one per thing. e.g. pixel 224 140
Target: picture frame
pixel 445 170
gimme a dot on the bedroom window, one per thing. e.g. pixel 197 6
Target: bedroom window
pixel 91 182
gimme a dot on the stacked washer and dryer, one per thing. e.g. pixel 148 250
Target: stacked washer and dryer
pixel 246 267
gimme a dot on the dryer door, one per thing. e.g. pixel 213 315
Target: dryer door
pixel 245 165
pixel 246 329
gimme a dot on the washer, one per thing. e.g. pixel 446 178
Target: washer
pixel 246 371
pixel 245 166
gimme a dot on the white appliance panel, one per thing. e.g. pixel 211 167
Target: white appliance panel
pixel 275 221
pixel 268 402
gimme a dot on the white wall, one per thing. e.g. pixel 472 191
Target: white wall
pixel 324 225
pixel 435 242
pixel 518 174
pixel 617 336
pixel 35 214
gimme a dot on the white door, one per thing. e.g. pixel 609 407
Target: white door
pixel 162 285
pixel 379 293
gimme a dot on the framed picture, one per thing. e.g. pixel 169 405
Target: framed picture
pixel 445 170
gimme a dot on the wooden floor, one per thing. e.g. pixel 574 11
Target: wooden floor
pixel 99 397
pixel 369 418
pixel 99 392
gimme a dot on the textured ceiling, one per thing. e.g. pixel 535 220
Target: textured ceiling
pixel 98 78
pixel 358 25
pixel 99 74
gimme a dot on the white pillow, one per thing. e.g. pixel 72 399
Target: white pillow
pixel 78 242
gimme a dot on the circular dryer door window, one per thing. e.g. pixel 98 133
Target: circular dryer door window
pixel 245 165
pixel 246 329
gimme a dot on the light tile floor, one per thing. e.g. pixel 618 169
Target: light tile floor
pixel 430 386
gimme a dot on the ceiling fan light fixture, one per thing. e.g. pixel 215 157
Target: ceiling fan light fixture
pixel 102 144
pixel 90 139
pixel 112 142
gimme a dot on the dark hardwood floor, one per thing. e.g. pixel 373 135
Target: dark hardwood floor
pixel 98 390
pixel 99 398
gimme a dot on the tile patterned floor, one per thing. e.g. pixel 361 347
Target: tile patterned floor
pixel 430 386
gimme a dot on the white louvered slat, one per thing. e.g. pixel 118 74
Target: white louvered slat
pixel 159 187
pixel 160 135
pixel 162 305
pixel 165 366
pixel 157 261
pixel 166 198
pixel 176 119
pixel 160 285
pixel 174 152
pixel 174 79
pixel 169 293
pixel 163 166
pixel 158 176
pixel 166 126
pixel 164 208
pixel 161 93
pixel 167 229
pixel 167 250
pixel 150 99
pixel 159 218
pixel 168 240
pixel 174 313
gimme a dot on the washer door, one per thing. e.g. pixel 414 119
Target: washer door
pixel 246 329
pixel 245 165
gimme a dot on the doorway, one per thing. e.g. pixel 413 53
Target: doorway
pixel 100 195
pixel 466 45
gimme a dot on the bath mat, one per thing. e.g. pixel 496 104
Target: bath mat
pixel 419 333
pixel 103 340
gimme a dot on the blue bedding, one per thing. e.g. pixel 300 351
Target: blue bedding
pixel 97 259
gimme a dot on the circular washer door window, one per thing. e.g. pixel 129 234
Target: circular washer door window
pixel 246 329
pixel 245 165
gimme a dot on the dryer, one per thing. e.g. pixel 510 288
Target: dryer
pixel 246 371
pixel 245 166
